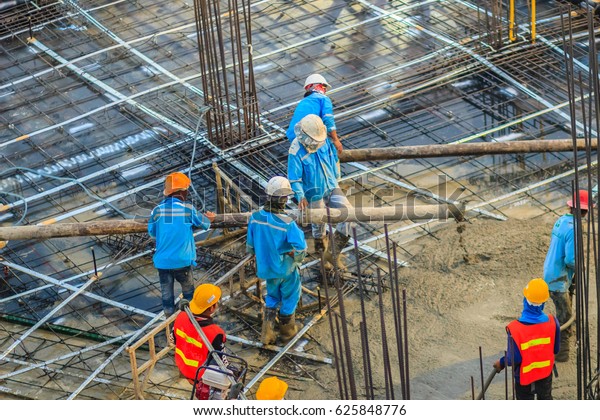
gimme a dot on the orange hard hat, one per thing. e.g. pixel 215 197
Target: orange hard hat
pixel 583 200
pixel 176 181
pixel 271 388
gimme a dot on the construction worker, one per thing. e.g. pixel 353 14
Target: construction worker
pixel 279 246
pixel 271 388
pixel 559 268
pixel 171 223
pixel 190 349
pixel 316 102
pixel 533 340
pixel 313 173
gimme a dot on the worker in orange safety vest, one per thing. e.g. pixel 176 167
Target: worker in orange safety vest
pixel 533 340
pixel 190 350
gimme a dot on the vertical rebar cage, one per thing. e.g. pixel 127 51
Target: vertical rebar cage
pixel 225 51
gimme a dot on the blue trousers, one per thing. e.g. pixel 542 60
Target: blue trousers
pixel 285 292
pixel 167 279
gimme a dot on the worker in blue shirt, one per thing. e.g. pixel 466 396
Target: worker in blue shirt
pixel 316 102
pixel 313 172
pixel 172 223
pixel 559 267
pixel 279 246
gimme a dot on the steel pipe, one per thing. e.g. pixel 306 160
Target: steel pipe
pixel 315 216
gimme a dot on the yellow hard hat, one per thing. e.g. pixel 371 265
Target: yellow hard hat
pixel 176 181
pixel 271 388
pixel 536 291
pixel 205 296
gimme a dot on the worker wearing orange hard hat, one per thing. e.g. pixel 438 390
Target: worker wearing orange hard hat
pixel 559 266
pixel 533 340
pixel 172 223
pixel 271 388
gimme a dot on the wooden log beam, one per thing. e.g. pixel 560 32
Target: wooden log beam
pixel 465 149
pixel 317 216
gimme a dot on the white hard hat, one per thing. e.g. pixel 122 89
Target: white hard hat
pixel 312 125
pixel 316 79
pixel 279 186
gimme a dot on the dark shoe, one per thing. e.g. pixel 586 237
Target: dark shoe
pixel 287 327
pixel 268 334
pixel 319 245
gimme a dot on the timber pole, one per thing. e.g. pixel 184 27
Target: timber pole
pixel 464 149
pixel 316 216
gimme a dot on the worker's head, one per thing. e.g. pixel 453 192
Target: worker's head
pixel 311 132
pixel 271 388
pixel 536 292
pixel 583 202
pixel 177 184
pixel 316 82
pixel 278 190
pixel 206 297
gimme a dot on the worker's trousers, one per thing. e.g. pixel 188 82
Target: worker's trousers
pixel 542 388
pixel 284 293
pixel 335 199
pixel 167 279
pixel 564 310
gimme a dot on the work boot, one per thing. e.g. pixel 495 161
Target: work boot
pixel 563 353
pixel 340 241
pixel 319 245
pixel 287 327
pixel 268 334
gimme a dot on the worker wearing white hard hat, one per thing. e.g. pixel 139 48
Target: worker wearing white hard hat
pixel 313 171
pixel 316 102
pixel 279 246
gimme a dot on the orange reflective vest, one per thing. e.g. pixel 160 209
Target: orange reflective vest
pixel 190 350
pixel 536 345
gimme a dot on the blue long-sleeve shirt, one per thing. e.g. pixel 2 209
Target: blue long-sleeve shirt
pixel 172 223
pixel 270 238
pixel 315 103
pixel 560 259
pixel 313 175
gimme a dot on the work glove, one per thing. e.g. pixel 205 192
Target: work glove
pixel 573 286
pixel 183 303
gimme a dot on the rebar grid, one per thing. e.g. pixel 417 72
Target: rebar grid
pixel 381 71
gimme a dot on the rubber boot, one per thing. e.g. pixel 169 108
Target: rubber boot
pixel 340 241
pixel 287 327
pixel 268 334
pixel 563 353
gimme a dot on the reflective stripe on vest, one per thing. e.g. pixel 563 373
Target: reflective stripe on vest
pixel 535 342
pixel 193 363
pixel 536 365
pixel 191 340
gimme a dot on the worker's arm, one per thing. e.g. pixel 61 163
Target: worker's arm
pixel 329 121
pixel 557 336
pixel 570 249
pixel 296 238
pixel 512 358
pixel 295 175
pixel 200 220
pixel 250 239
pixel 152 222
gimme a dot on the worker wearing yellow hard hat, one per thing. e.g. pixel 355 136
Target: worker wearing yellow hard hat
pixel 171 223
pixel 533 340
pixel 271 388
